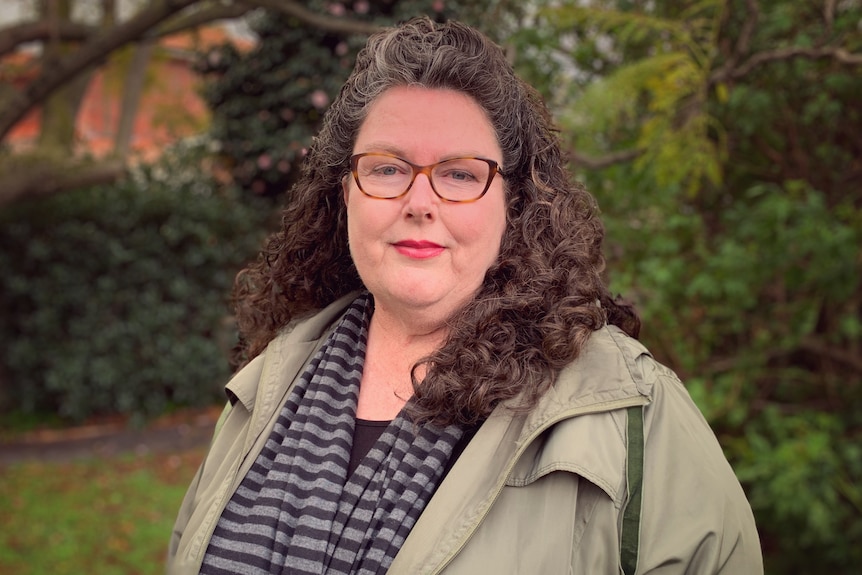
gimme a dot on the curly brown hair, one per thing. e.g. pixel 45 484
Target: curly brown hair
pixel 539 302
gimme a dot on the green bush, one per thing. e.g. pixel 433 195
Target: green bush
pixel 760 320
pixel 114 299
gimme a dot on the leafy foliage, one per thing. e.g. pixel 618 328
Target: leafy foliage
pixel 737 230
pixel 113 299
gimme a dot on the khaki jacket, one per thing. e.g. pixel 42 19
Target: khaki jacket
pixel 536 493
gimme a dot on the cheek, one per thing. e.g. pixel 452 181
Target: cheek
pixel 483 230
pixel 366 226
pixel 357 213
pixel 493 222
pixel 356 232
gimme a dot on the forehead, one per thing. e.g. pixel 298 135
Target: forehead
pixel 427 124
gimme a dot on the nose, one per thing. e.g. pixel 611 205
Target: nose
pixel 421 201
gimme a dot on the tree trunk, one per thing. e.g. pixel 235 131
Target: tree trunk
pixel 132 89
pixel 57 127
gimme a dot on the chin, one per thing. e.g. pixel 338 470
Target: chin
pixel 415 295
pixel 418 299
pixel 421 292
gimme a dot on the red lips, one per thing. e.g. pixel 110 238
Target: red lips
pixel 418 249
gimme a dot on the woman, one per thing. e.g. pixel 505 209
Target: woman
pixel 436 379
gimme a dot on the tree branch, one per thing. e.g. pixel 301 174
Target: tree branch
pixel 809 344
pixel 602 162
pixel 287 7
pixel 13 36
pixel 835 52
pixel 744 41
pixel 850 360
pixel 202 18
pixel 48 180
pixel 761 58
pixel 133 89
pixel 829 14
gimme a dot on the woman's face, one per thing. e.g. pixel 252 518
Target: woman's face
pixel 418 253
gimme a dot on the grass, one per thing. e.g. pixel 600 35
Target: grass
pixel 105 516
pixel 16 423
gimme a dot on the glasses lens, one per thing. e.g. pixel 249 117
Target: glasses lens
pixel 383 176
pixel 459 179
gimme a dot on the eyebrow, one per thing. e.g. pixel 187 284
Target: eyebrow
pixel 381 147
pixel 388 148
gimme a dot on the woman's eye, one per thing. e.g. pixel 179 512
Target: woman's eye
pixel 386 171
pixel 462 176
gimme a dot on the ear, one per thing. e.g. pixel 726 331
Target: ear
pixel 345 187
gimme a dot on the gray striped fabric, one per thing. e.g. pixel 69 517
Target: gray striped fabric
pixel 296 511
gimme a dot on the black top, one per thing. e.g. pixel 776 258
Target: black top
pixel 367 432
pixel 365 435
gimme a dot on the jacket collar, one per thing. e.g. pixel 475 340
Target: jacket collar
pixel 606 373
pixel 261 387
pixel 287 353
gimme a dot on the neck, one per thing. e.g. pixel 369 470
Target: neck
pixel 408 330
pixel 394 347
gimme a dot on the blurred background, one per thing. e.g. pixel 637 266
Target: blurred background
pixel 146 148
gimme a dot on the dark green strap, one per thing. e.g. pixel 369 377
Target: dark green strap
pixel 630 537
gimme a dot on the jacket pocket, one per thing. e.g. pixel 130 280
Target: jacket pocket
pixel 529 529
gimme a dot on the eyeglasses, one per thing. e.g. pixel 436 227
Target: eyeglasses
pixel 457 180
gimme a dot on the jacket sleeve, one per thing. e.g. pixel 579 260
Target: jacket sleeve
pixel 695 518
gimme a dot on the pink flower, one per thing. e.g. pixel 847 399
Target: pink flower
pixel 319 99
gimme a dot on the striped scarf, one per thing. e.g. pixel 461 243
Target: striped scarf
pixel 296 511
